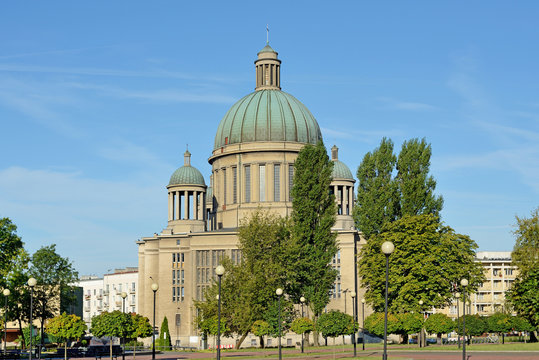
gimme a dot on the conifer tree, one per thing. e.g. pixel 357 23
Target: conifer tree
pixel 164 336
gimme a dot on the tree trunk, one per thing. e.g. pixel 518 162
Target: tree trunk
pixel 503 338
pixel 315 338
pixel 439 339
pixel 111 348
pixel 65 351
pixel 261 342
pixel 238 344
pixel 533 338
pixel 135 350
pixel 404 339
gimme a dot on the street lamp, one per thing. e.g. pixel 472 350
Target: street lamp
pixel 219 270
pixel 31 282
pixel 363 322
pixel 421 331
pixel 123 295
pixel 155 287
pixel 302 301
pixel 279 293
pixel 6 294
pixel 464 283
pixel 353 295
pixel 387 249
pixel 457 295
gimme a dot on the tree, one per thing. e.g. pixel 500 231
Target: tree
pixel 475 325
pixel 374 323
pixel 428 258
pixel 10 245
pixel 141 329
pixel 499 323
pixel 261 328
pixel 377 193
pixel 53 273
pixel 302 325
pixel 164 342
pixel 263 242
pixel 313 244
pixel 439 324
pixel 416 187
pixel 66 327
pixel 116 323
pixel 521 325
pixel 410 323
pixel 335 323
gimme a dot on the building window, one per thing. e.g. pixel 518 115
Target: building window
pixel 234 184
pixel 496 272
pixel 508 271
pixel 235 256
pixel 178 320
pixel 262 182
pixel 290 180
pixel 173 277
pixel 247 183
pixel 277 182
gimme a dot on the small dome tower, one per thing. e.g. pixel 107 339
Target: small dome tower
pixel 186 199
pixel 343 188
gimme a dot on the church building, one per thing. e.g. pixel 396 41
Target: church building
pixel 252 159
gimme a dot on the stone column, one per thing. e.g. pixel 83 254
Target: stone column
pixel 170 206
pixel 186 204
pixel 351 198
pixel 177 206
pixel 344 200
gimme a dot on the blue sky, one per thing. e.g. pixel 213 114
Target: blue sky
pixel 99 99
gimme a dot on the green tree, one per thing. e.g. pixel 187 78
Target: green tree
pixel 377 194
pixel 164 342
pixel 53 273
pixel 475 325
pixel 374 323
pixel 410 323
pixel 335 323
pixel 523 295
pixel 66 327
pixel 113 324
pixel 499 323
pixel 416 186
pixel 10 245
pixel 141 329
pixel 439 324
pixel 263 241
pixel 428 258
pixel 313 244
pixel 261 328
pixel 522 325
pixel 302 325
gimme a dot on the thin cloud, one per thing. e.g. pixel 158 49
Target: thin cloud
pixel 406 105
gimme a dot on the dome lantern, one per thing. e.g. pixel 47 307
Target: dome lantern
pixel 268 69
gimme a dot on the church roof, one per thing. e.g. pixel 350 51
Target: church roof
pixel 187 174
pixel 341 171
pixel 267 115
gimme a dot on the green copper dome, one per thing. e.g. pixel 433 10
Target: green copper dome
pixel 341 171
pixel 266 48
pixel 267 115
pixel 187 175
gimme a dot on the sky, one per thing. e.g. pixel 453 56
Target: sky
pixel 99 100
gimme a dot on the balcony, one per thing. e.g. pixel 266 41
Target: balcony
pixel 99 297
pixel 99 307
pixel 87 297
pixel 106 292
pixel 131 291
pixel 86 309
pixel 118 303
pixel 132 302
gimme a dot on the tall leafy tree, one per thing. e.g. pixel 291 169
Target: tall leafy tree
pixel 141 329
pixel 10 245
pixel 53 274
pixel 439 324
pixel 313 244
pixel 428 258
pixel 66 327
pixel 411 323
pixel 416 186
pixel 374 323
pixel 500 323
pixel 377 193
pixel 523 295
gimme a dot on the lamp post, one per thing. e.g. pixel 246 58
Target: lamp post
pixel 219 270
pixel 6 294
pixel 155 287
pixel 457 295
pixel 279 293
pixel 354 301
pixel 31 282
pixel 387 249
pixel 464 283
pixel 363 322
pixel 123 295
pixel 302 301
pixel 421 331
pixel 353 294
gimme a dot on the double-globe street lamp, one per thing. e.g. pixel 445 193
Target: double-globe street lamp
pixel 31 282
pixel 6 293
pixel 279 293
pixel 464 283
pixel 155 287
pixel 387 249
pixel 302 301
pixel 123 295
pixel 219 270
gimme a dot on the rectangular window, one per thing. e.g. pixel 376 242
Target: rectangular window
pixel 262 182
pixel 174 277
pixel 508 271
pixel 133 286
pixel 247 183
pixel 277 182
pixel 290 180
pixel 179 318
pixel 224 186
pixel 234 184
